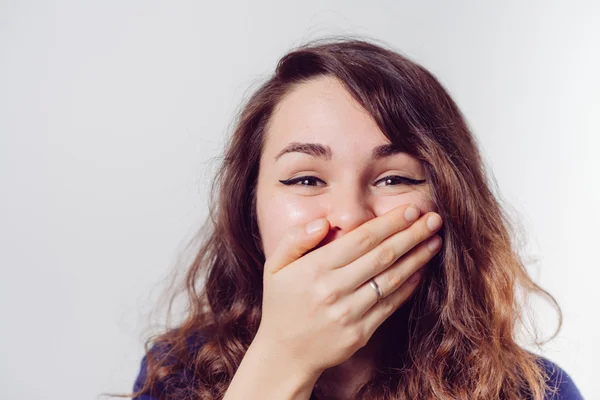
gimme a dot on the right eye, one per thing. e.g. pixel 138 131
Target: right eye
pixel 301 179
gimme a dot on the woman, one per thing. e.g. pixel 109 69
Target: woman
pixel 321 281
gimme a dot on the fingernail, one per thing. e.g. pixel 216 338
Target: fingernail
pixel 434 243
pixel 315 226
pixel 434 221
pixel 411 213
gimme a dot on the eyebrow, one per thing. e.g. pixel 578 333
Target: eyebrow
pixel 324 152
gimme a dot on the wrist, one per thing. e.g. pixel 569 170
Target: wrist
pixel 275 368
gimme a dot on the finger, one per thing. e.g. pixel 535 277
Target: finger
pixel 296 241
pixel 361 240
pixel 383 256
pixel 381 311
pixel 395 277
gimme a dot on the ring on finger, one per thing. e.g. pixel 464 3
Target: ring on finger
pixel 375 287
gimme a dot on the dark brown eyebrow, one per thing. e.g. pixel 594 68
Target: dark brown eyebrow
pixel 321 151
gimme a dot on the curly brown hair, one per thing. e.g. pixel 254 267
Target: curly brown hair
pixel 455 338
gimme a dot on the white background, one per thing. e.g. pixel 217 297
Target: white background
pixel 111 111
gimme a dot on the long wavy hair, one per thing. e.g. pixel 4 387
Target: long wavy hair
pixel 455 338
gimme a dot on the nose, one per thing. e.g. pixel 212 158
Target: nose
pixel 346 211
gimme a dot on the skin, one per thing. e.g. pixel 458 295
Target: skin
pixel 348 190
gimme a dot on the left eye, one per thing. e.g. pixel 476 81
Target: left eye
pixel 388 179
pixel 400 180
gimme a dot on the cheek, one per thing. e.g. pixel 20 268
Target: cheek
pixel 278 212
pixel 420 199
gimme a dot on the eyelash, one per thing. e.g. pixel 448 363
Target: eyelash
pixel 402 179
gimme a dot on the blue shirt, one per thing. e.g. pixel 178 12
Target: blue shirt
pixel 558 378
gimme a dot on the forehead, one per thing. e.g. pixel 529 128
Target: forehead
pixel 322 110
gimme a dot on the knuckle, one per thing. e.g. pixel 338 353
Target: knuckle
pixel 365 239
pixel 343 316
pixel 394 279
pixel 385 255
pixel 326 295
pixel 357 338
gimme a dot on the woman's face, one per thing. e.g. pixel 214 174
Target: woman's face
pixel 345 184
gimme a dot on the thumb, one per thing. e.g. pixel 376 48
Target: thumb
pixel 296 241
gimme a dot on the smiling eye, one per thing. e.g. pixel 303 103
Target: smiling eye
pixel 302 179
pixel 390 180
pixel 400 180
